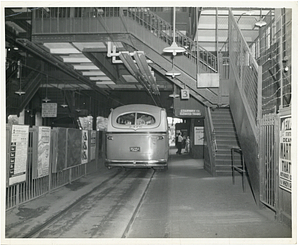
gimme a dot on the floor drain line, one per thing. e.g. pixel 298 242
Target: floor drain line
pixel 137 208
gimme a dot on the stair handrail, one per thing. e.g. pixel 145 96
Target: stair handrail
pixel 212 131
pixel 206 58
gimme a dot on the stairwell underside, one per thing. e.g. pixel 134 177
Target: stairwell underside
pixel 142 39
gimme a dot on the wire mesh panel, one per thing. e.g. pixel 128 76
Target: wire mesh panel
pixel 274 45
pixel 243 65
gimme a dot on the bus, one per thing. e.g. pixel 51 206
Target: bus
pixel 137 136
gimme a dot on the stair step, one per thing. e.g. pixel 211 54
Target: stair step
pixel 223 168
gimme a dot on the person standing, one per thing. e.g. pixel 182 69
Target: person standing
pixel 187 144
pixel 179 143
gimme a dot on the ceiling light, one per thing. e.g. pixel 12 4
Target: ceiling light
pixel 19 75
pixel 20 92
pixel 174 95
pixel 46 99
pixel 64 105
pixel 260 23
pixel 173 73
pixel 174 49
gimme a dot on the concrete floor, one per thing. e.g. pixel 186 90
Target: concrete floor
pixel 186 202
pixel 183 205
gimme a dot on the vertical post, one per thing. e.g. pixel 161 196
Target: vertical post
pixel 174 23
pixel 280 62
pixel 217 39
pixel 97 150
pixel 197 50
pixel 259 95
pixel 276 164
pixel 261 157
pixel 51 157
pixel 18 195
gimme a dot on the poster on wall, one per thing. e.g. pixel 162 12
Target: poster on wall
pixel 18 154
pixel 93 145
pixel 199 135
pixel 43 151
pixel 285 163
pixel 84 152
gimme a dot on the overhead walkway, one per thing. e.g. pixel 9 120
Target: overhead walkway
pixel 138 30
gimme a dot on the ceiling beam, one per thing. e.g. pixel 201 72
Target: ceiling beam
pixel 34 49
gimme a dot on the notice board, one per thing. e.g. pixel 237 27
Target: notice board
pixel 18 154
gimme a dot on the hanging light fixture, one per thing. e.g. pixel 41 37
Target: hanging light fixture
pixel 173 72
pixel 19 75
pixel 46 99
pixel 174 95
pixel 174 49
pixel 260 23
pixel 64 105
pixel 78 109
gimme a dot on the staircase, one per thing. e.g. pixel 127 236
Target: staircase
pixel 226 138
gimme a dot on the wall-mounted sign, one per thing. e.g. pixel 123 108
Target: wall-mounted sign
pixel 49 109
pixel 185 94
pixel 208 80
pixel 285 163
pixel 189 112
pixel 199 135
pixel 84 151
pixel 18 154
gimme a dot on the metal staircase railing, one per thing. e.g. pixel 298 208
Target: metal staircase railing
pixel 164 30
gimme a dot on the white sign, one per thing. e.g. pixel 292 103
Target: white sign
pixel 18 154
pixel 189 112
pixel 43 151
pixel 208 80
pixel 199 135
pixel 49 109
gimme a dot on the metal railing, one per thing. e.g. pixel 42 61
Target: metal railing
pixel 34 187
pixel 211 140
pixel 164 30
pixel 95 20
pixel 268 159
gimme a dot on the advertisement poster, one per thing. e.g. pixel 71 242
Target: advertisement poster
pixel 18 154
pixel 199 135
pixel 285 163
pixel 43 151
pixel 93 144
pixel 84 154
